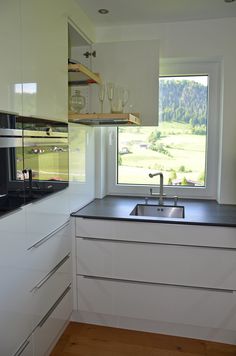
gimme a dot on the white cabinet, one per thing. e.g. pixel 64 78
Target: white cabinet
pixel 51 326
pixel 31 280
pixel 10 68
pixel 15 300
pixel 44 216
pixel 26 349
pixel 153 276
pixel 163 263
pixel 50 268
pixel 146 301
pixel 44 58
pixel 135 65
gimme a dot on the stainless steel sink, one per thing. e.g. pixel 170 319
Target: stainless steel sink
pixel 159 211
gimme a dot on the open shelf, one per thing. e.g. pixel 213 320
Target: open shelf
pixel 105 119
pixel 81 75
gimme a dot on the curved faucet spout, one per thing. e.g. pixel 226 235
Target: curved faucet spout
pixel 151 175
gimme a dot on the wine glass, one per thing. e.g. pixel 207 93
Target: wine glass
pixel 124 97
pixel 110 93
pixel 101 94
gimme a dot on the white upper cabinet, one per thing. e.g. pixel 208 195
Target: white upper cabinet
pixel 134 65
pixel 10 78
pixel 44 59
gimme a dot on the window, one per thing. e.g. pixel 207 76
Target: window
pixel 184 145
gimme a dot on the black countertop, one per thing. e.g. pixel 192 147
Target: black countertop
pixel 197 212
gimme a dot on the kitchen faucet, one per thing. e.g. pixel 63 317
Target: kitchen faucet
pixel 151 175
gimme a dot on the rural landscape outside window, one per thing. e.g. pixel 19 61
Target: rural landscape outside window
pixel 178 146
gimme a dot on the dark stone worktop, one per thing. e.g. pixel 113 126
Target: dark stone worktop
pixel 197 212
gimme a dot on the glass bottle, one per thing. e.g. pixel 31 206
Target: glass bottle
pixel 77 102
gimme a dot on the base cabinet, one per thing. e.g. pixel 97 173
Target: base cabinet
pixel 35 298
pixel 52 324
pixel 146 301
pixel 26 349
pixel 157 281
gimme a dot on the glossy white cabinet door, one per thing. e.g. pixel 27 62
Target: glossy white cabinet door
pixel 26 349
pixel 134 65
pixel 49 288
pixel 10 64
pixel 182 265
pixel 45 216
pixel 44 59
pixel 49 330
pixel 15 299
pixel 191 235
pixel 145 301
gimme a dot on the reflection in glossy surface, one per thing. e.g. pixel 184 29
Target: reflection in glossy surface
pixel 77 153
pixel 29 98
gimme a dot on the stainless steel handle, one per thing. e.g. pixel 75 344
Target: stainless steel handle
pixel 155 243
pixel 120 280
pixel 51 273
pixel 22 348
pixel 47 237
pixel 51 310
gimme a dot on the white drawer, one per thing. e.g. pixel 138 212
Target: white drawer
pixel 48 289
pixel 49 329
pixel 182 265
pixel 43 256
pixel 157 302
pixel 44 216
pixel 26 348
pixel 157 232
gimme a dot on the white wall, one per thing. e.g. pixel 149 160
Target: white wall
pixel 205 40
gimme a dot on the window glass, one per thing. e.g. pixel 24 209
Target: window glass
pixel 178 146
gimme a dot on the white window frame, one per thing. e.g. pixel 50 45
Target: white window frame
pixel 178 68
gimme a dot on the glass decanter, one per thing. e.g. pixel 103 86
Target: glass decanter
pixel 77 102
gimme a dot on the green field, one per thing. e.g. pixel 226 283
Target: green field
pixel 184 156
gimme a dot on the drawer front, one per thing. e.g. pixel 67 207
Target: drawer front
pixel 43 257
pixel 157 232
pixel 48 289
pixel 26 348
pixel 179 305
pixel 44 216
pixel 48 331
pixel 182 265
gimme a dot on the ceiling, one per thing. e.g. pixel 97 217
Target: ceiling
pixel 130 12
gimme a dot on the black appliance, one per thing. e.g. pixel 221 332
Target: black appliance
pixel 34 159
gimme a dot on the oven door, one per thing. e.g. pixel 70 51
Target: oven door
pixel 47 160
pixel 11 176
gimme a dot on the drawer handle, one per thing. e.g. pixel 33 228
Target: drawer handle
pixel 49 236
pixel 51 310
pixel 51 273
pixel 22 348
pixel 152 243
pixel 209 289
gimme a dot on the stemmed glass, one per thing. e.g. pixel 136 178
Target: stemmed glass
pixel 124 97
pixel 110 93
pixel 101 94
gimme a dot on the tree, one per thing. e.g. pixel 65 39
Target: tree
pixel 184 181
pixel 154 137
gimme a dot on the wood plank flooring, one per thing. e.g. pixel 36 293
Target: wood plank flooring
pixel 92 340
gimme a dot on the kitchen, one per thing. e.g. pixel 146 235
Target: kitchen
pixel 35 84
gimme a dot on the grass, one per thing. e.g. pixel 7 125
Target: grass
pixel 186 154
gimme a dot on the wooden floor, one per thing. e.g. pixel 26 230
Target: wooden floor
pixel 92 340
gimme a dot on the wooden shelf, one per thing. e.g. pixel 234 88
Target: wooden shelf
pixel 105 119
pixel 81 75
